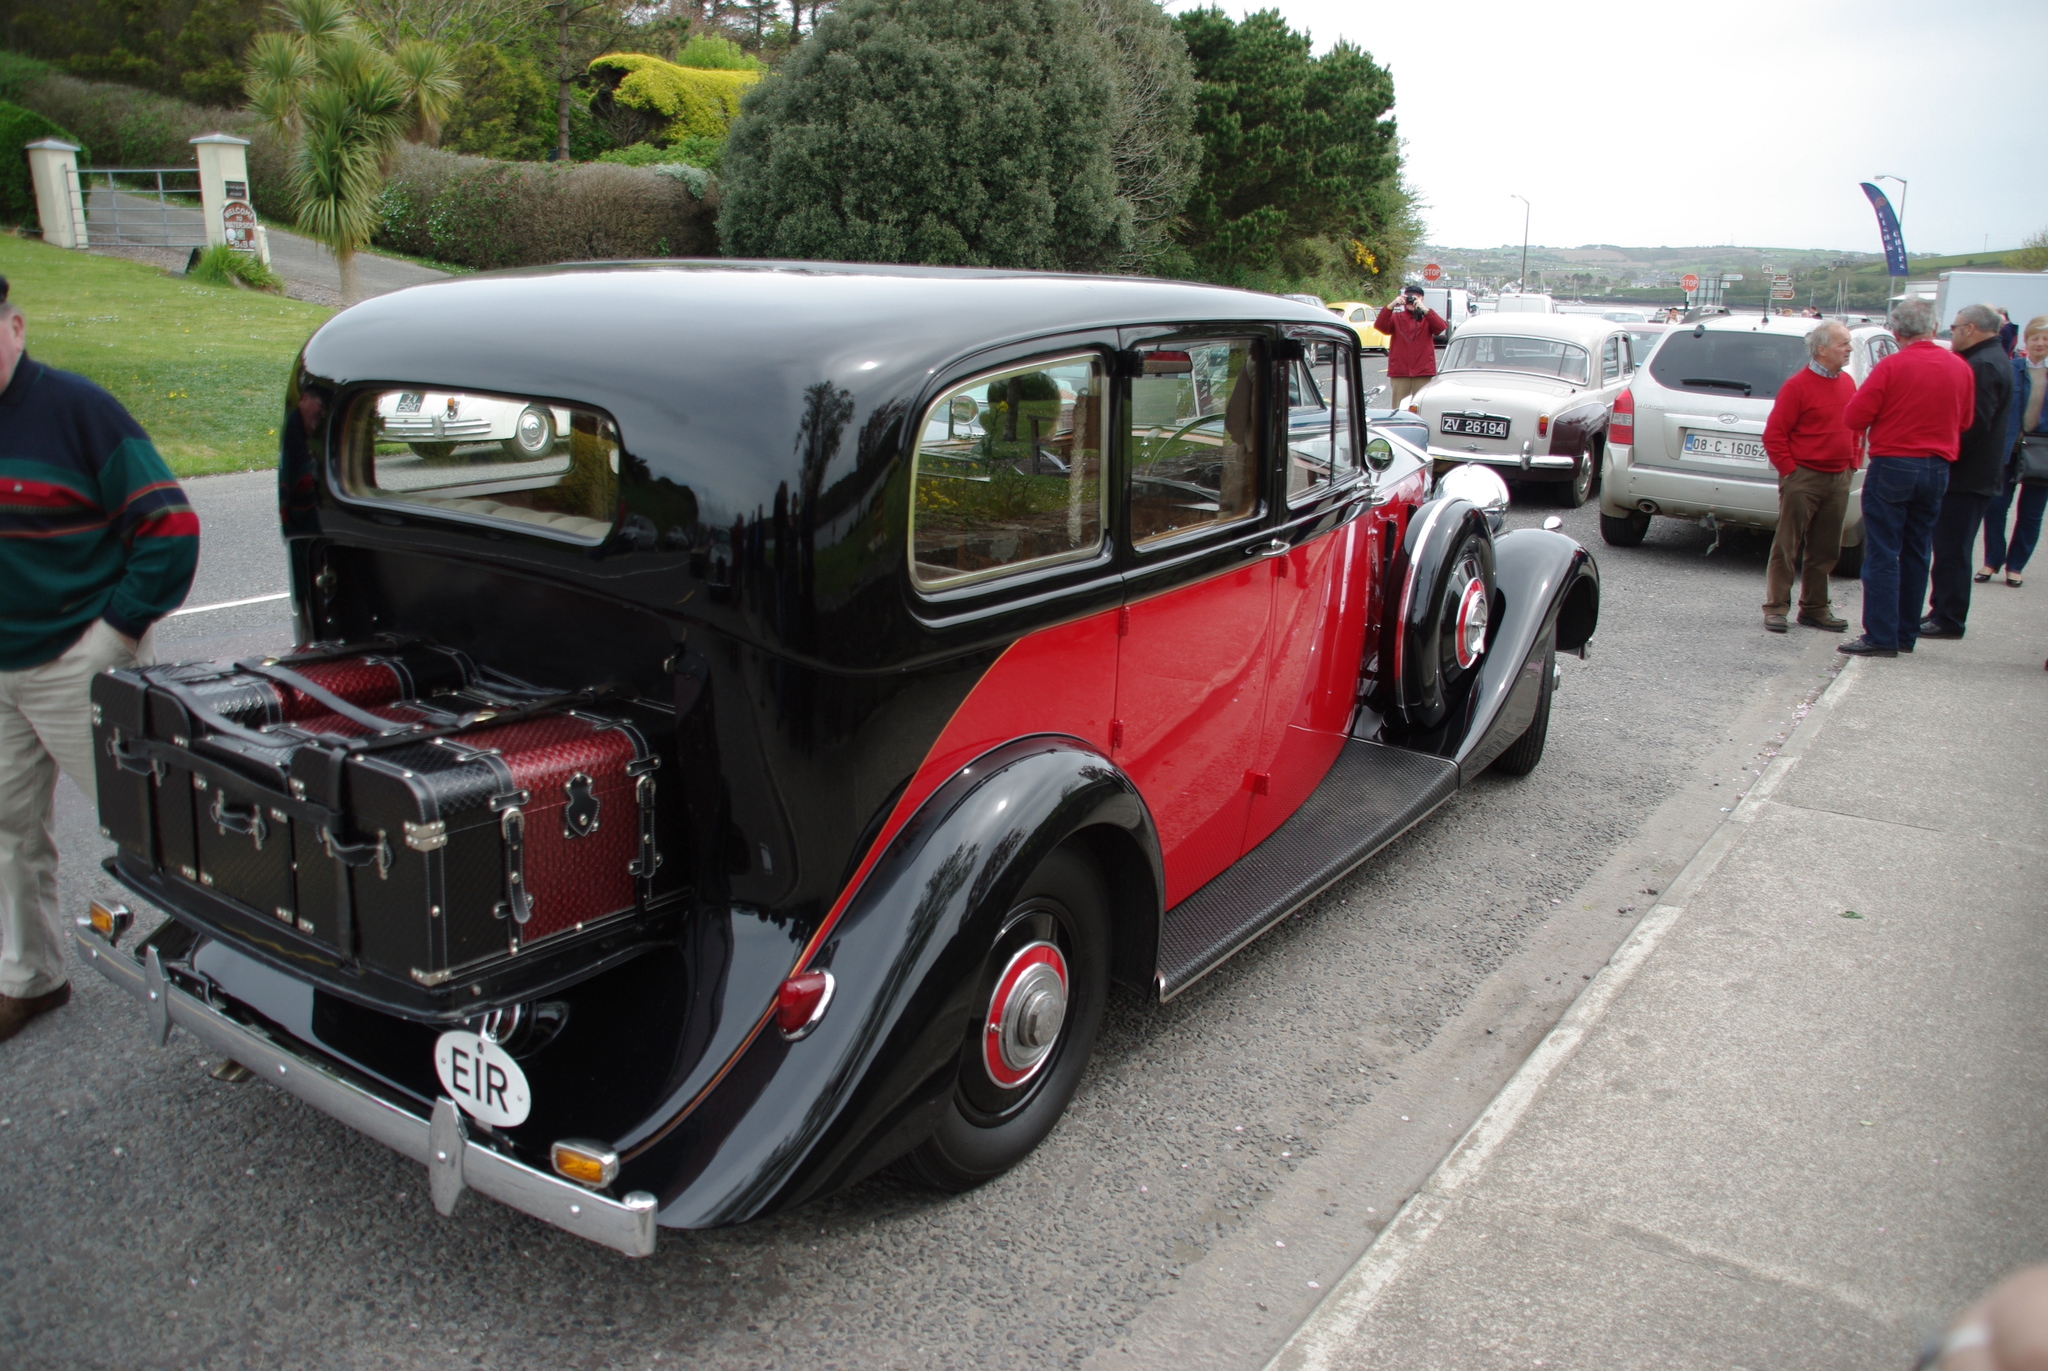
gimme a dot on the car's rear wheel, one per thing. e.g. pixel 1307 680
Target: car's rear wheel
pixel 1571 494
pixel 1624 530
pixel 533 434
pixel 1038 1006
pixel 1524 752
pixel 1850 563
pixel 433 452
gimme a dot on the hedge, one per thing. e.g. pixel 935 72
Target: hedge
pixel 691 100
pixel 17 190
pixel 472 211
pixel 466 211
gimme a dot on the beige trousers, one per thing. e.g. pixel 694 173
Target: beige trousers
pixel 1810 509
pixel 1405 387
pixel 45 726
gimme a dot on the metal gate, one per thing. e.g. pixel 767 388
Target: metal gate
pixel 142 206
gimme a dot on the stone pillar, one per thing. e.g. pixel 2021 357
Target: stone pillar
pixel 224 190
pixel 53 166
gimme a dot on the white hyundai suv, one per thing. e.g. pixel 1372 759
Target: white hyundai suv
pixel 1685 440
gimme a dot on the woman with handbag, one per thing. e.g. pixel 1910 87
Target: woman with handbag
pixel 2026 472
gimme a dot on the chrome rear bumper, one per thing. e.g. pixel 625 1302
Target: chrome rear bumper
pixel 1538 461
pixel 454 1162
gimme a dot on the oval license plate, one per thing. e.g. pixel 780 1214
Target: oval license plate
pixel 482 1078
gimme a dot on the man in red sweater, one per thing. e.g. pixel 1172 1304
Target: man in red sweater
pixel 1411 332
pixel 1913 409
pixel 1814 453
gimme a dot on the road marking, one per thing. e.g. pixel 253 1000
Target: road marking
pixel 1323 1341
pixel 229 604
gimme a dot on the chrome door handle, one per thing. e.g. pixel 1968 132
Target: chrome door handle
pixel 1277 548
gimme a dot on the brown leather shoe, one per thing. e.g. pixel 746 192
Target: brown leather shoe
pixel 1774 622
pixel 14 1013
pixel 1823 618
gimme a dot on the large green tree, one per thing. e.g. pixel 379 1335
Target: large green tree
pixel 968 132
pixel 1299 154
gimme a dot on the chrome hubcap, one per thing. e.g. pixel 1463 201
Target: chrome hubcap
pixel 1472 621
pixel 1025 1014
pixel 532 430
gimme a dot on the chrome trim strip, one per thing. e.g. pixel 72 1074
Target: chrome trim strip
pixel 1503 459
pixel 624 1225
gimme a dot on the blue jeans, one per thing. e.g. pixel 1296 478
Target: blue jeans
pixel 1901 498
pixel 1999 554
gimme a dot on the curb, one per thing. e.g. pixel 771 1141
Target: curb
pixel 1320 1342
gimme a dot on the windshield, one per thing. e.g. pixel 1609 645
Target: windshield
pixel 1536 356
pixel 1724 362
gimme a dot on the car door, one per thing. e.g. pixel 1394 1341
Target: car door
pixel 1321 586
pixel 1192 657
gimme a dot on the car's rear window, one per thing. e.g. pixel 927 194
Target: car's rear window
pixel 1727 363
pixel 1506 352
pixel 534 464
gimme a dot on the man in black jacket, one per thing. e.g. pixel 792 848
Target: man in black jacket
pixel 1977 474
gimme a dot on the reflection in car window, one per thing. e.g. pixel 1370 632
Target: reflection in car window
pixel 1610 360
pixel 1320 446
pixel 1881 347
pixel 1724 362
pixel 1009 472
pixel 1640 344
pixel 547 468
pixel 1194 443
pixel 1500 352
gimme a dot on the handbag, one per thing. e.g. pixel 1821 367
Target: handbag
pixel 2032 465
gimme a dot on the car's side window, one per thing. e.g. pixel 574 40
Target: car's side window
pixel 1881 347
pixel 1194 420
pixel 1321 445
pixel 1009 472
pixel 1610 359
pixel 1358 315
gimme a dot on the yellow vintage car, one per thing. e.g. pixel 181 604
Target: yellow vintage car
pixel 1360 315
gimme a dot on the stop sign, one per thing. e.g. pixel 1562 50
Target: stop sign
pixel 1432 272
pixel 1689 281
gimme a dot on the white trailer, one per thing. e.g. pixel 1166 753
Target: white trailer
pixel 2021 294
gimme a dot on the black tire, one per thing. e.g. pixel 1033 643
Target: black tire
pixel 1524 752
pixel 1625 531
pixel 432 452
pixel 533 434
pixel 1850 563
pixel 1574 492
pixel 987 1128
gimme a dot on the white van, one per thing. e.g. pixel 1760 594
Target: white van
pixel 1525 304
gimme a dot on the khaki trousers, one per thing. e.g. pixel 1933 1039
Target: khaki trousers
pixel 45 726
pixel 1404 388
pixel 1810 509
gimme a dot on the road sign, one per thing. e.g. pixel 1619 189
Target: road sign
pixel 1781 292
pixel 1731 276
pixel 1432 272
pixel 1689 281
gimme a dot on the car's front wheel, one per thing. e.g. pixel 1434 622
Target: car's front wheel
pixel 1524 752
pixel 1623 530
pixel 1038 1006
pixel 533 434
pixel 1850 563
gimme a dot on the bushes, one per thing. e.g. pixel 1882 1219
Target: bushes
pixel 673 101
pixel 221 265
pixel 17 192
pixel 472 212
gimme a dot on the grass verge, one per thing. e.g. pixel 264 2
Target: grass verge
pixel 202 368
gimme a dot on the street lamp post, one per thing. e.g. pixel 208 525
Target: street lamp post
pixel 1902 213
pixel 1522 283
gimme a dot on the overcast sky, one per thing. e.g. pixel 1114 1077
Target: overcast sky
pixel 1744 121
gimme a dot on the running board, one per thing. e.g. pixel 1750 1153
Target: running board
pixel 1371 796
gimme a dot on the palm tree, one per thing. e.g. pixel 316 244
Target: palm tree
pixel 344 105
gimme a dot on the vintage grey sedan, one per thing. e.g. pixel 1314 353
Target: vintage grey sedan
pixel 1529 394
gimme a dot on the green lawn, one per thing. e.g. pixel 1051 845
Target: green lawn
pixel 203 368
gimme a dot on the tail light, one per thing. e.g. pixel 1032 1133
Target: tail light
pixel 1543 426
pixel 1621 423
pixel 800 1002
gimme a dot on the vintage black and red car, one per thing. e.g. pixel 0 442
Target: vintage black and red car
pixel 760 776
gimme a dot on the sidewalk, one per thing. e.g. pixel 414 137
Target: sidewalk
pixel 309 270
pixel 1799 1119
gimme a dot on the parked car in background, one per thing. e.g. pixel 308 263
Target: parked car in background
pixel 1360 315
pixel 770 790
pixel 1686 437
pixel 1643 337
pixel 1453 305
pixel 1522 303
pixel 436 423
pixel 1528 395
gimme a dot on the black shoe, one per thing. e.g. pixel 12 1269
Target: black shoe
pixel 1932 628
pixel 1861 646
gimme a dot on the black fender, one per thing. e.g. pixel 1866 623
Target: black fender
pixel 1425 682
pixel 789 1121
pixel 1578 429
pixel 1548 596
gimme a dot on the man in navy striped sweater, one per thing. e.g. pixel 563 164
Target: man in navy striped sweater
pixel 96 544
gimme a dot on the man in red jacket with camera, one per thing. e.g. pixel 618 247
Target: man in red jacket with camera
pixel 1411 332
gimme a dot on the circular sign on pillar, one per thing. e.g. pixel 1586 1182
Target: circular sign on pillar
pixel 239 222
